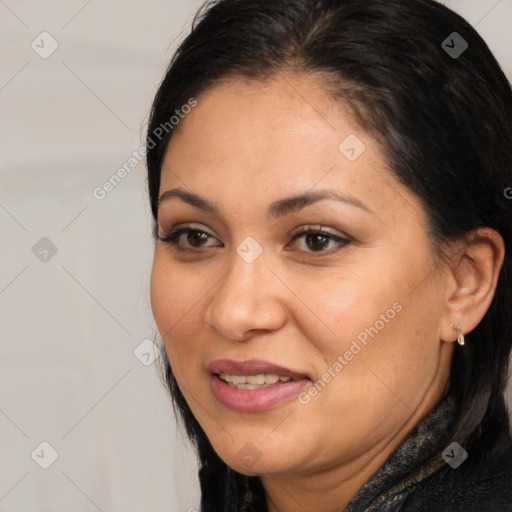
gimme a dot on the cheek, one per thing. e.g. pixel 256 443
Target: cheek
pixel 333 312
pixel 372 320
pixel 385 342
pixel 175 301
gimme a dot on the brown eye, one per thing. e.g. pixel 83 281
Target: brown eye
pixel 318 241
pixel 189 238
pixel 197 238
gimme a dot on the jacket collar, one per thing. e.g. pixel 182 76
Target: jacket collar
pixel 391 484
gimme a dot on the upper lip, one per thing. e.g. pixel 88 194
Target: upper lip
pixel 252 367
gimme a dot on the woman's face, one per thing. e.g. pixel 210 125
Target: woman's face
pixel 304 260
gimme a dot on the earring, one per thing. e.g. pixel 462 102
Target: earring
pixel 460 336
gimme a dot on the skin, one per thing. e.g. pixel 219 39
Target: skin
pixel 244 146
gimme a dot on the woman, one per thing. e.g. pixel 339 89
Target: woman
pixel 332 266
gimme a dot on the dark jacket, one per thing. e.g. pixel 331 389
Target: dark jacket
pixel 469 487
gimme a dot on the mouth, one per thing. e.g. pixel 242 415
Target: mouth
pixel 260 381
pixel 252 386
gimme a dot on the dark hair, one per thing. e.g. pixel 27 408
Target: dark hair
pixel 444 126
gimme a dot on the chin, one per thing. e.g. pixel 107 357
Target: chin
pixel 253 459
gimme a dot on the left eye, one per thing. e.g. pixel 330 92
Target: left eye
pixel 318 241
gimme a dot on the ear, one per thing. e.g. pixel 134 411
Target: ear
pixel 474 272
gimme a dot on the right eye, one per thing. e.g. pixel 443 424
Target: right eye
pixel 186 238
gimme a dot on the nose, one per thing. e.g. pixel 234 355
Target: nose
pixel 247 300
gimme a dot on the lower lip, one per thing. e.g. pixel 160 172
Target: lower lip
pixel 254 400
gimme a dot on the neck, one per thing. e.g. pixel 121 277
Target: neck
pixel 331 489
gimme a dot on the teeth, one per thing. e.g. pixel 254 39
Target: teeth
pixel 252 381
pixel 269 378
pixel 255 379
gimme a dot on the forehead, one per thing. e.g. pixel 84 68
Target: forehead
pixel 286 116
pixel 257 141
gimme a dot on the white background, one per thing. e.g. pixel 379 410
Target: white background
pixel 68 375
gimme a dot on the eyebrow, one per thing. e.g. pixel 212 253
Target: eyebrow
pixel 277 209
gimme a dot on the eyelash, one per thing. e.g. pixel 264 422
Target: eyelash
pixel 172 238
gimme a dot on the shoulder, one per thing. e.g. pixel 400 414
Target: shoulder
pixel 471 487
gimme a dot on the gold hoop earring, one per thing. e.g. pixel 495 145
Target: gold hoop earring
pixel 460 336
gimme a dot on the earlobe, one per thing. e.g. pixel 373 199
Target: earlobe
pixel 475 274
pixel 460 335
